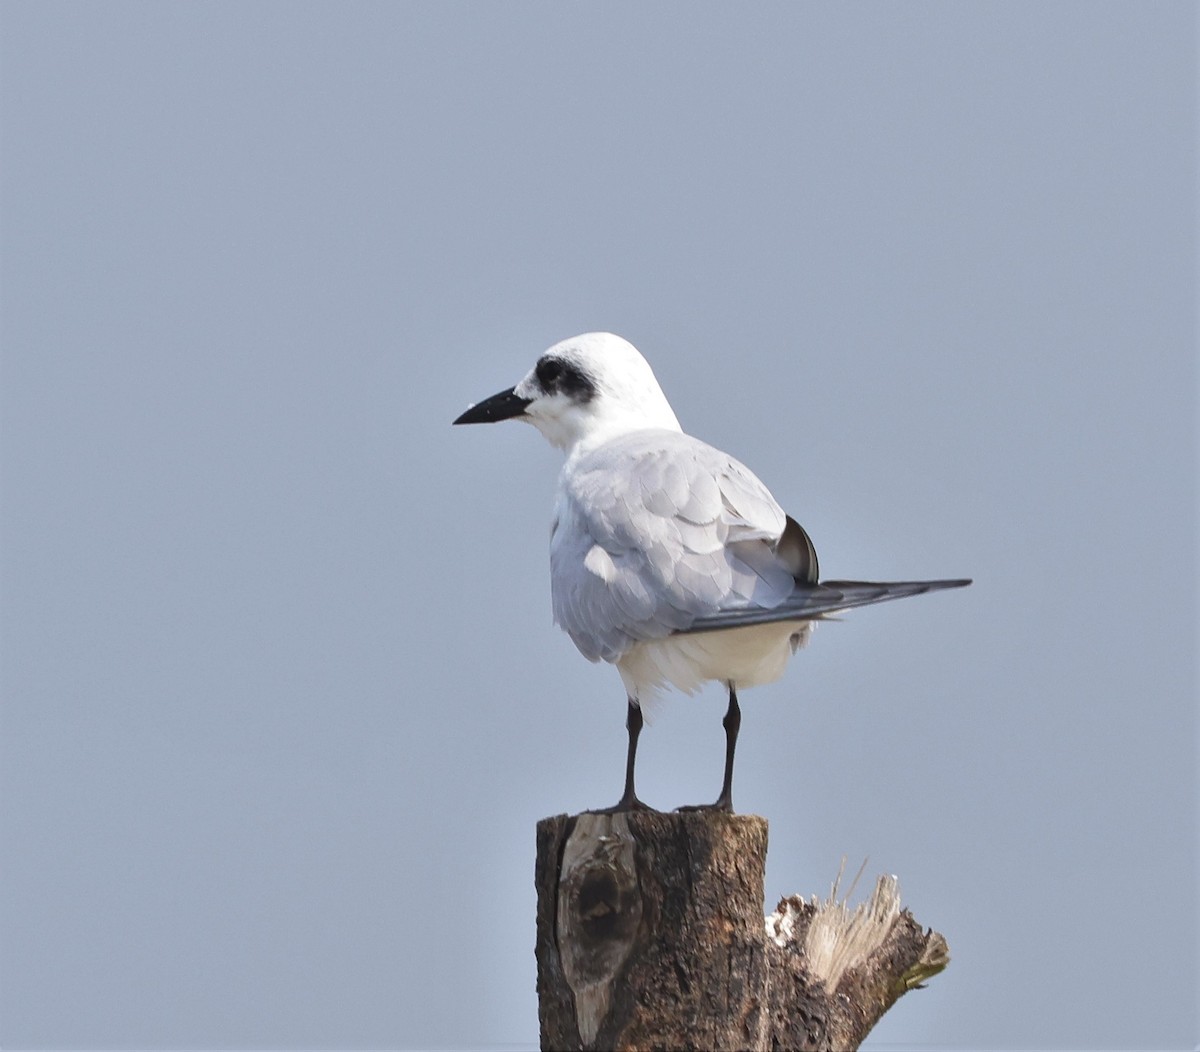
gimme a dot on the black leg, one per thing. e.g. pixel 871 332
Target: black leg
pixel 732 724
pixel 629 800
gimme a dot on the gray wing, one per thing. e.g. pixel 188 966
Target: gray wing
pixel 656 531
pixel 808 601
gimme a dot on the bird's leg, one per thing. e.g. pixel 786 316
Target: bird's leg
pixel 732 723
pixel 629 800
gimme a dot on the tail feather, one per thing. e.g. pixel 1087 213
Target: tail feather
pixel 810 601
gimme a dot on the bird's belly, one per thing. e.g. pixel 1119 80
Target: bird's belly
pixel 744 656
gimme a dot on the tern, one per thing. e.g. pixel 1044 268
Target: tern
pixel 668 558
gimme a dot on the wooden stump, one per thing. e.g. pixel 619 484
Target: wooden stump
pixel 650 934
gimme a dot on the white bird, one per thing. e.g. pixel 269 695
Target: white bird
pixel 668 558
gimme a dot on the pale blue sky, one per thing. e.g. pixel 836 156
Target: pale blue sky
pixel 282 701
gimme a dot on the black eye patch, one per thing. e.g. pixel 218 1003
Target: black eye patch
pixel 556 376
pixel 548 372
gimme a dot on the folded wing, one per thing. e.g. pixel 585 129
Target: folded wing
pixel 658 533
pixel 655 530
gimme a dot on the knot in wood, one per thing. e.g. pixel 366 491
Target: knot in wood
pixel 605 906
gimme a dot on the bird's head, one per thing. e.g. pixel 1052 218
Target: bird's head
pixel 582 391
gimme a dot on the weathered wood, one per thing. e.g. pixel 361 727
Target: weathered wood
pixel 650 934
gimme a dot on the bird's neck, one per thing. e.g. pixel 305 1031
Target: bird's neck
pixel 614 425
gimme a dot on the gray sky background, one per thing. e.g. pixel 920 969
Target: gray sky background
pixel 282 700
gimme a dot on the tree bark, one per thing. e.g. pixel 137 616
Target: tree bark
pixel 651 935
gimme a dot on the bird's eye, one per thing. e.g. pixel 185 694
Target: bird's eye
pixel 548 371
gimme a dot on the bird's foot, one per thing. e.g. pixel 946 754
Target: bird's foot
pixel 625 804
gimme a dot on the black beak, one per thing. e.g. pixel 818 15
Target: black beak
pixel 502 406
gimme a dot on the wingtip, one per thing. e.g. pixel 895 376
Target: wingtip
pixel 948 583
